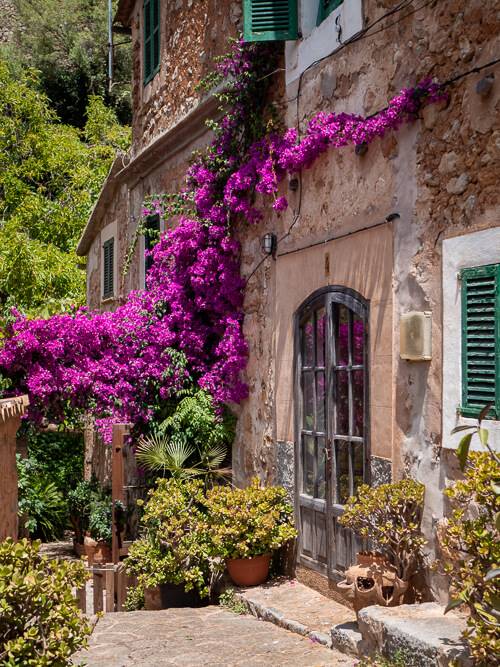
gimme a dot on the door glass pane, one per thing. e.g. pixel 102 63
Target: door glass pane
pixel 320 336
pixel 358 407
pixel 308 464
pixel 321 479
pixel 341 403
pixel 320 401
pixel 342 336
pixel 357 464
pixel 308 394
pixel 358 331
pixel 308 343
pixel 342 464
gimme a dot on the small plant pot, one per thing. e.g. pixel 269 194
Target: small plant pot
pixel 249 571
pixel 102 553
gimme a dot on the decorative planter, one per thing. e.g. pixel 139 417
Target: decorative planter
pixel 373 581
pixel 249 571
pixel 167 596
pixel 96 552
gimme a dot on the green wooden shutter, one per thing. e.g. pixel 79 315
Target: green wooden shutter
pixel 151 20
pixel 480 340
pixel 269 20
pixel 151 238
pixel 108 259
pixel 326 7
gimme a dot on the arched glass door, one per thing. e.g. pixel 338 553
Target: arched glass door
pixel 331 423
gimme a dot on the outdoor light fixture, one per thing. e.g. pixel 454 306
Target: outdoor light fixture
pixel 268 243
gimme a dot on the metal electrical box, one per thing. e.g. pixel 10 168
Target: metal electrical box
pixel 416 336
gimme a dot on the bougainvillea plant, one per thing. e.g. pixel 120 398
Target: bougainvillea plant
pixel 187 323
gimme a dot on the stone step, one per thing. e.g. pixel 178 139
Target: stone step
pixel 297 608
pixel 421 634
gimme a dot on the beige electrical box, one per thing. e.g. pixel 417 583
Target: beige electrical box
pixel 416 336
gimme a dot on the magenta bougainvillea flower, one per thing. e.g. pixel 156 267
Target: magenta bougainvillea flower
pixel 187 323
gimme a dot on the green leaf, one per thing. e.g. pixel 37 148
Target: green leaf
pixel 483 436
pixel 453 604
pixel 463 450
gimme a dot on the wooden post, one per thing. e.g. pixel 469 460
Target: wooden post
pixel 120 431
pixel 98 589
pixel 11 410
pixel 110 587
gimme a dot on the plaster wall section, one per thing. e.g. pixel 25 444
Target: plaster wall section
pixel 192 34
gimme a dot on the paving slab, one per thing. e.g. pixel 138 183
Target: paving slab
pixel 207 637
pixel 295 607
pixel 421 633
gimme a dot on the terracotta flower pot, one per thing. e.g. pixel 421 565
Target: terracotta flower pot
pixel 373 581
pixel 249 571
pixel 171 596
pixel 97 552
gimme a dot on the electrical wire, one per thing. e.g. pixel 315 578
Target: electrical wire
pixel 448 82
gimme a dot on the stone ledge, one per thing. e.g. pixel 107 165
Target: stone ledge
pixel 419 632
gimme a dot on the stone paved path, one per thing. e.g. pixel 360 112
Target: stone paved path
pixel 207 637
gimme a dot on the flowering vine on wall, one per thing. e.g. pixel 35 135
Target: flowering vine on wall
pixel 187 324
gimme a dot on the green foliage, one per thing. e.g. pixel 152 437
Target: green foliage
pixel 40 623
pixel 66 41
pixel 399 659
pixel 79 504
pixel 390 516
pixel 249 522
pixel 135 599
pixel 59 454
pixel 42 508
pixel 192 441
pixel 472 543
pixel 100 520
pixel 231 602
pixel 50 176
pixel 176 546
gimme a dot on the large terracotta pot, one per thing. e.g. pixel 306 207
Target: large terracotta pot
pixel 373 581
pixel 249 571
pixel 168 596
pixel 97 552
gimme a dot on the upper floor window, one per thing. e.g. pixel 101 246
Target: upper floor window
pixel 480 340
pixel 151 21
pixel 269 20
pixel 108 262
pixel 151 237
pixel 326 7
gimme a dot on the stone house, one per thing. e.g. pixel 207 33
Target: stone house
pixel 345 386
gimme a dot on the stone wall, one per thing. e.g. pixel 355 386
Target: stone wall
pixel 192 34
pixel 8 20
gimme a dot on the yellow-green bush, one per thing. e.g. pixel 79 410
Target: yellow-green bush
pixel 40 623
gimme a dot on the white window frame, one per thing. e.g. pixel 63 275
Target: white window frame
pixel 107 233
pixel 319 41
pixel 462 252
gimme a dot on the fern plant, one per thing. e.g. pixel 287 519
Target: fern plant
pixel 192 441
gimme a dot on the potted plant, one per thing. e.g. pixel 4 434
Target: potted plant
pixel 79 503
pixel 389 516
pixel 174 559
pixel 100 519
pixel 247 526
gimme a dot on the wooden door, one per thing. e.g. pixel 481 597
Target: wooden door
pixel 331 424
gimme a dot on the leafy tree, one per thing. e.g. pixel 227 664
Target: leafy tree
pixel 67 41
pixel 50 176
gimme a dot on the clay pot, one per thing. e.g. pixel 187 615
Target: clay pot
pixel 373 581
pixel 171 596
pixel 96 552
pixel 249 571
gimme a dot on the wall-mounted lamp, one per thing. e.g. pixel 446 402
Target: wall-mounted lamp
pixel 269 243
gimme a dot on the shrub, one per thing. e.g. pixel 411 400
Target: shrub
pixel 472 543
pixel 389 516
pixel 100 519
pixel 249 522
pixel 40 623
pixel 42 508
pixel 79 502
pixel 175 546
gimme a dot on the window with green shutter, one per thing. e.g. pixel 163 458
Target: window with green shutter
pixel 108 258
pixel 270 20
pixel 326 7
pixel 480 340
pixel 151 238
pixel 151 20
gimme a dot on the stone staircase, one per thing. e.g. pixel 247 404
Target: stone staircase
pixel 421 635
